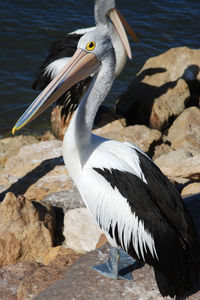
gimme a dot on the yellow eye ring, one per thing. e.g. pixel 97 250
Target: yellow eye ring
pixel 90 46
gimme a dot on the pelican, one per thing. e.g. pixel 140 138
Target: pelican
pixel 64 48
pixel 135 205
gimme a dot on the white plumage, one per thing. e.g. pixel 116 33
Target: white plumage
pixel 106 204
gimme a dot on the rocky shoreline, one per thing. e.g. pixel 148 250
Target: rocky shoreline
pixel 40 238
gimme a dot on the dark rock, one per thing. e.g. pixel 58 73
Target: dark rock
pixel 65 199
pixel 81 282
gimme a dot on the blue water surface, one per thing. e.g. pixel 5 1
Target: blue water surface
pixel 27 29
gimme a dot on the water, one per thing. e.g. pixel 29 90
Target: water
pixel 27 30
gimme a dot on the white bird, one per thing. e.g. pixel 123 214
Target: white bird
pixel 132 201
pixel 64 48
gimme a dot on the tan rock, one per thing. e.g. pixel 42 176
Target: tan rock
pixel 11 145
pixel 190 189
pixel 11 276
pixel 138 134
pixel 26 230
pixel 185 131
pixel 102 240
pixel 54 181
pixel 82 235
pixel 31 156
pixel 43 276
pixel 47 136
pixel 169 105
pixel 176 63
pixel 161 89
pixel 51 254
pixel 180 163
pixel 36 171
pixel 24 280
pixel 161 149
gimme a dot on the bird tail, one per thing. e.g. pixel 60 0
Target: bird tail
pixel 180 278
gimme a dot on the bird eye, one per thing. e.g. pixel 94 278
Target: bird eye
pixel 90 46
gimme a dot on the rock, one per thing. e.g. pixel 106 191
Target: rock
pixel 11 276
pixel 83 235
pixel 24 280
pixel 140 135
pixel 180 163
pixel 36 171
pixel 26 230
pixel 185 131
pixel 95 286
pixel 169 105
pixel 31 156
pixel 43 276
pixel 179 62
pixel 65 199
pixel 193 188
pixel 163 87
pixel 47 136
pixel 161 149
pixel 11 145
pixel 106 115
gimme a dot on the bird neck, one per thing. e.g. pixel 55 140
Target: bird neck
pixel 82 122
pixel 101 10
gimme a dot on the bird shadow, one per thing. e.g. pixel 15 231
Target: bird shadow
pixel 22 185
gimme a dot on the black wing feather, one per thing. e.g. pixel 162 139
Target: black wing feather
pixel 64 47
pixel 159 205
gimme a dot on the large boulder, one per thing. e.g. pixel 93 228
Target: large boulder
pixel 26 230
pixel 83 235
pixel 66 200
pixel 180 164
pixel 162 89
pixel 185 131
pixel 191 189
pixel 36 171
pixel 169 105
pixel 11 145
pixel 24 280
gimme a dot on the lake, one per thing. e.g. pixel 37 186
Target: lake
pixel 29 27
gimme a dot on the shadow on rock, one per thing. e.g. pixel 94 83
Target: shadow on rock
pixel 137 103
pixel 22 185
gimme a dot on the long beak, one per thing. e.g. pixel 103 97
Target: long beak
pixel 127 26
pixel 118 21
pixel 81 65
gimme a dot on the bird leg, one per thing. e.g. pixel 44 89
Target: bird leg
pixel 119 266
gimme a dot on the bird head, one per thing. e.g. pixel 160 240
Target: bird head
pixel 91 51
